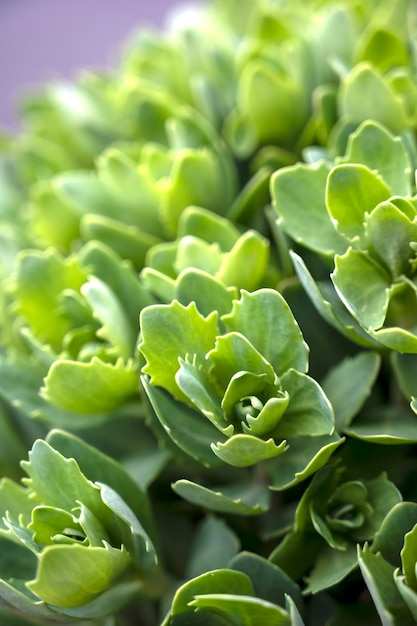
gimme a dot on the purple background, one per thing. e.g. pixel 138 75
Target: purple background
pixel 45 39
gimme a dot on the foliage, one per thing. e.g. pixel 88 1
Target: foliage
pixel 208 327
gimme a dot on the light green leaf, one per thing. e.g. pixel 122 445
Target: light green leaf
pixel 396 338
pixel 352 191
pixel 172 331
pixel 90 388
pixel 24 601
pixel 389 233
pixel 48 522
pixel 374 146
pixel 363 286
pixel 128 241
pixel 265 319
pixel 232 499
pixel 208 226
pixel 242 450
pixel 40 278
pixel 207 292
pixel 309 411
pixel 107 310
pixel 349 383
pixel 245 264
pixel 20 381
pixel 217 581
pixel 243 609
pixel 58 481
pixel 99 467
pixel 299 193
pixel 233 354
pixel 365 94
pixel 15 499
pixel 121 279
pixel 200 391
pixel 72 575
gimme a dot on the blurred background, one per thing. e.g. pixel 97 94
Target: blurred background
pixel 41 40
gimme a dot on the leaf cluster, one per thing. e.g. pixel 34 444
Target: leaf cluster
pixel 208 327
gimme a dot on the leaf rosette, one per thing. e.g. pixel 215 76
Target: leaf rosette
pixel 71 325
pixel 333 516
pixel 359 213
pixel 245 372
pixel 72 546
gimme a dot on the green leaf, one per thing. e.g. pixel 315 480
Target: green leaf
pixel 48 522
pixel 352 191
pixel 99 467
pixel 242 450
pixel 363 286
pixel 408 558
pixel 121 279
pixel 128 241
pixel 330 307
pixel 90 388
pixel 298 193
pixel 208 293
pixel 233 353
pixel 303 457
pixel 379 578
pixel 349 383
pixel 172 331
pixel 40 278
pixel 107 310
pixel 405 367
pixel 269 581
pixel 409 595
pixel 309 411
pixel 330 568
pixel 389 233
pixel 186 427
pixel 59 482
pixel 72 575
pixel 217 581
pixel 133 536
pixel 267 309
pixel 15 499
pixel 214 544
pixel 232 499
pixel 245 264
pixel 242 609
pixel 386 426
pixel 365 94
pixel 20 381
pixel 208 226
pixel 374 146
pixel 389 538
pixel 199 389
